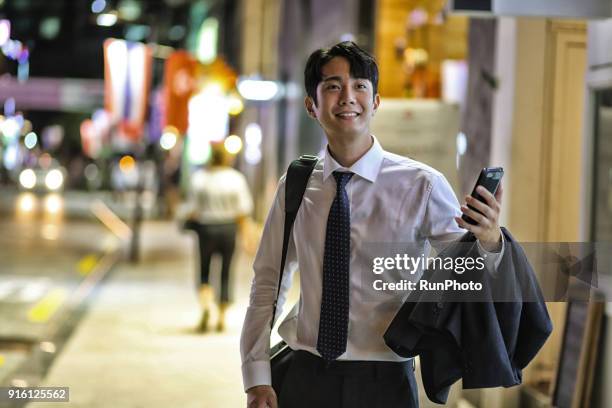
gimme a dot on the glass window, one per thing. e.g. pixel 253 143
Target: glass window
pixel 602 188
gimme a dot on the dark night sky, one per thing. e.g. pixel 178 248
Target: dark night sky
pixel 77 49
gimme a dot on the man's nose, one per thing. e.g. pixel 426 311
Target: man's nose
pixel 347 96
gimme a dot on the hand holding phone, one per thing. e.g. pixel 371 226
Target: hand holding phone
pixel 489 178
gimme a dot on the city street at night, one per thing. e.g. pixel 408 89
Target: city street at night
pixel 305 204
pixel 72 313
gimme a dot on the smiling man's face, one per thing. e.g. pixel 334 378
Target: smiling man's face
pixel 345 105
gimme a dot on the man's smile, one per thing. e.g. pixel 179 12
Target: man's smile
pixel 347 115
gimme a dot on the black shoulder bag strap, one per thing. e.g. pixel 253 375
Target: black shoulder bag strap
pixel 295 185
pixel 297 178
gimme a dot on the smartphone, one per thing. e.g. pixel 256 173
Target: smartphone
pixel 489 178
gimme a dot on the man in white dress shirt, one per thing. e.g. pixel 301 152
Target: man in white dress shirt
pixel 357 194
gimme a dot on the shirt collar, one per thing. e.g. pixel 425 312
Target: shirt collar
pixel 367 167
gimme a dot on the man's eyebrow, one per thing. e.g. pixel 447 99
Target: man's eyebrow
pixel 339 79
pixel 332 78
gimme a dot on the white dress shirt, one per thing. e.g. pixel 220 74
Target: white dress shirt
pixel 393 199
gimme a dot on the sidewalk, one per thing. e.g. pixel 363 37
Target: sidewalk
pixel 136 346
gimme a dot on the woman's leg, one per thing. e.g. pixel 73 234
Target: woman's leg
pixel 227 243
pixel 206 292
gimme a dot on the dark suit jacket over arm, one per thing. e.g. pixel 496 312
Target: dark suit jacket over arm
pixel 485 342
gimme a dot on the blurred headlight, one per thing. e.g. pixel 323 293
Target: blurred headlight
pixel 54 179
pixel 27 178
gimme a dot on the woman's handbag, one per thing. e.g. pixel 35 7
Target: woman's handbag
pixel 191 225
pixel 298 174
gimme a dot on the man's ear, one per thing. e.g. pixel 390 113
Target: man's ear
pixel 376 103
pixel 310 107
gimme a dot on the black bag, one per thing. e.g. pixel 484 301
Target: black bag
pixel 191 225
pixel 298 174
pixel 281 356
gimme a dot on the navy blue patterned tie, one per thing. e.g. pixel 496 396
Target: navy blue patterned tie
pixel 333 321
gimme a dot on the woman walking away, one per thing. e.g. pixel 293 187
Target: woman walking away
pixel 219 203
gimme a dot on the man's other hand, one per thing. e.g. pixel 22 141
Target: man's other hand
pixel 487 230
pixel 261 396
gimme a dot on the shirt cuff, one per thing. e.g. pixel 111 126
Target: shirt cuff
pixel 256 373
pixel 492 259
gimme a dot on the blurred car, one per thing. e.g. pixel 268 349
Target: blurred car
pixel 49 179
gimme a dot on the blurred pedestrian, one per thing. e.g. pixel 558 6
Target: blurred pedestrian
pixel 219 204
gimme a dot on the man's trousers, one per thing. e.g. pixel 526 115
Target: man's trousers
pixel 312 382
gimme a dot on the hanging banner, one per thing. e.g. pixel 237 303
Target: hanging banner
pixel 179 84
pixel 127 82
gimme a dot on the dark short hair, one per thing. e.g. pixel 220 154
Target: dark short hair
pixel 218 155
pixel 363 65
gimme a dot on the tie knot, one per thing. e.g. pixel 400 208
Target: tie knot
pixel 342 177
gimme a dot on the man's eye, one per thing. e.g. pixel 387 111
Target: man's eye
pixel 361 86
pixel 333 87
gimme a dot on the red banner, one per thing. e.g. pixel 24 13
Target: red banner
pixel 179 84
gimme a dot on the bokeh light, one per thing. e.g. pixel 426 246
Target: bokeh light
pixel 53 203
pixel 258 90
pixel 27 179
pixel 106 19
pixel 127 164
pixel 91 171
pixel 236 106
pixel 26 203
pixel 233 144
pixel 168 138
pixel 54 179
pixel 252 134
pixel 30 140
pixel 98 6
